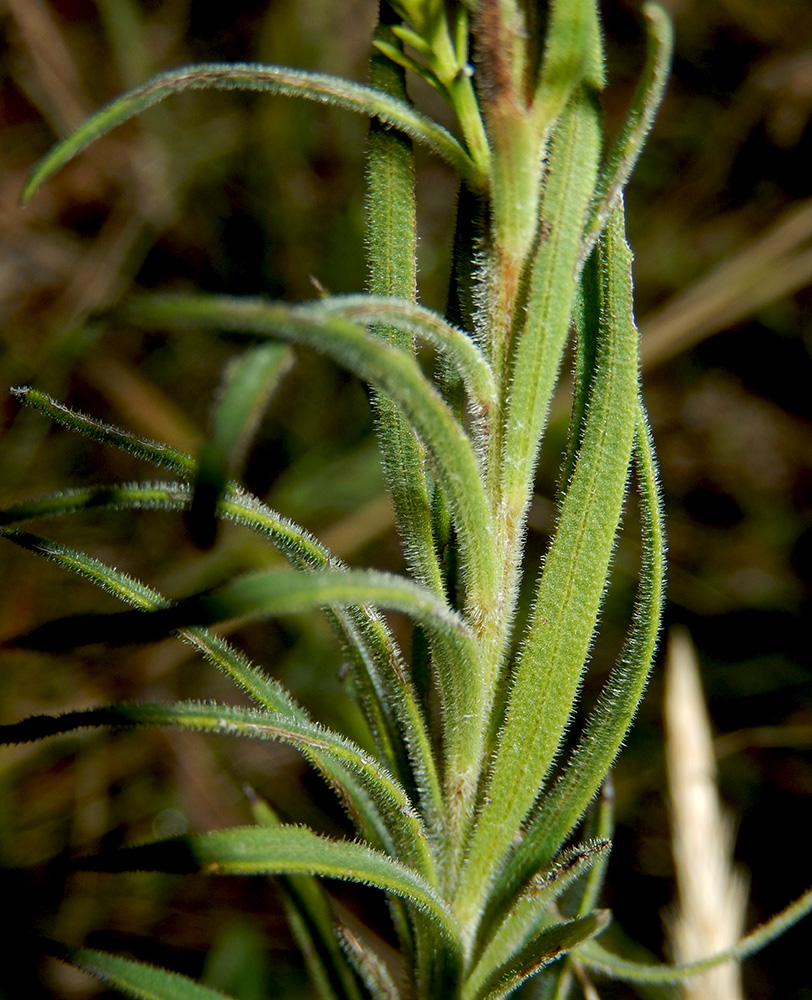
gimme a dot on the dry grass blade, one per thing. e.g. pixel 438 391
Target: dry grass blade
pixel 712 893
pixel 775 264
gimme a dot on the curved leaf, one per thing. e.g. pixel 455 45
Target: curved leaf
pixel 312 922
pixel 457 346
pixel 388 368
pixel 288 850
pixel 383 684
pixel 155 452
pixel 595 957
pixel 263 689
pixel 267 593
pixel 259 77
pixel 312 739
pixel 134 979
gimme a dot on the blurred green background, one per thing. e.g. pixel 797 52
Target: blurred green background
pixel 259 195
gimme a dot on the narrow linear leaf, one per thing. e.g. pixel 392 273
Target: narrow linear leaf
pixel 612 716
pixel 263 689
pixel 549 945
pixel 628 145
pixel 401 58
pixel 162 455
pixel 572 55
pixel 312 739
pixel 371 969
pixel 256 595
pixel 270 594
pixel 385 688
pixel 388 368
pixel 286 850
pixel 397 374
pixel 134 979
pixel 540 347
pixel 530 914
pixel 572 584
pixel 368 642
pixel 540 343
pixel 247 385
pixel 258 77
pixel 595 957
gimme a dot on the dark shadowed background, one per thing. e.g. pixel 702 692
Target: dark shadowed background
pixel 261 195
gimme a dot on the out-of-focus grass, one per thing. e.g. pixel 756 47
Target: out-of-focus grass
pixel 259 195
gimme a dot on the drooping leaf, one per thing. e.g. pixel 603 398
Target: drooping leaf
pixel 264 690
pixel 312 923
pixel 258 77
pixel 384 687
pixel 268 593
pixel 156 453
pixel 133 979
pixel 388 368
pixel 403 822
pixel 458 347
pixel 288 850
pixel 595 956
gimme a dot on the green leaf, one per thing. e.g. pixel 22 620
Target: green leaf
pixel 263 689
pixel 549 944
pixel 612 716
pixel 540 346
pixel 530 914
pixel 391 242
pixel 572 585
pixel 134 979
pixel 162 455
pixel 258 77
pixel 397 55
pixel 370 967
pixel 390 369
pixel 628 145
pixel 247 384
pixel 396 373
pixel 595 957
pixel 286 850
pixel 572 55
pixel 457 346
pixel 403 822
pixel 384 687
pixel 268 593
